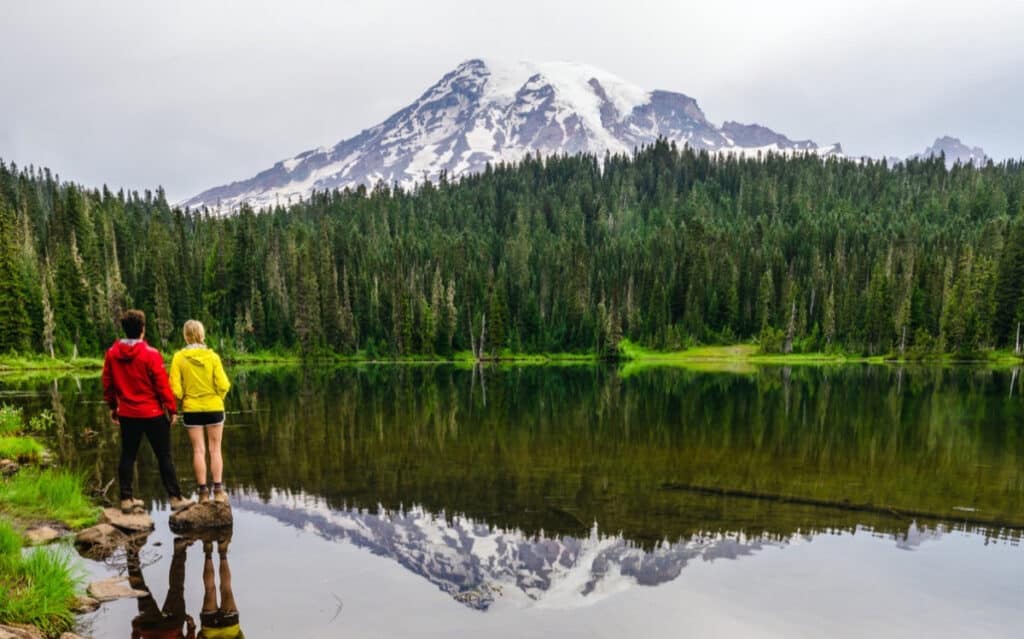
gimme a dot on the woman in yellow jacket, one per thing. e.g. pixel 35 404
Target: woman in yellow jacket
pixel 199 381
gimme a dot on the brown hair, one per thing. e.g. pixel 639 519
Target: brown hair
pixel 133 322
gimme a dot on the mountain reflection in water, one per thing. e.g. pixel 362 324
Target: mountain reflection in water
pixel 478 564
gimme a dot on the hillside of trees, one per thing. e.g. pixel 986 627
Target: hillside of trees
pixel 668 247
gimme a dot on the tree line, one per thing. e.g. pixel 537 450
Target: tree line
pixel 668 247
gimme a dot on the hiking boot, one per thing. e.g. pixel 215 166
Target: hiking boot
pixel 180 503
pixel 132 506
pixel 204 496
pixel 181 544
pixel 220 495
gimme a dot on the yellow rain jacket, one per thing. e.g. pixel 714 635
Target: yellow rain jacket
pixel 198 379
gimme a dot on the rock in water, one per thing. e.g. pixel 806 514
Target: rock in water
pixel 41 535
pixel 140 522
pixel 84 604
pixel 114 588
pixel 8 467
pixel 204 516
pixel 100 541
pixel 71 635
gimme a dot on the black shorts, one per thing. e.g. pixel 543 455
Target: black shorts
pixel 198 420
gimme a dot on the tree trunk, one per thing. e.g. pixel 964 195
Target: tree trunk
pixel 483 333
pixel 903 341
pixel 1017 348
pixel 790 330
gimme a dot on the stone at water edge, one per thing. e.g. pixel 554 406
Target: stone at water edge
pixel 209 514
pixel 113 588
pixel 71 635
pixel 19 632
pixel 41 535
pixel 8 467
pixel 140 522
pixel 100 541
pixel 84 604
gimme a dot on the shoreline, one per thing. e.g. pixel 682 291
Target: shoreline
pixel 630 354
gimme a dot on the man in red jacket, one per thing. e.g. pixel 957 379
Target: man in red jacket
pixel 136 389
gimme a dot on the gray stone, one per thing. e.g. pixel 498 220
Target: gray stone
pixel 140 522
pixel 100 541
pixel 71 635
pixel 19 632
pixel 8 467
pixel 204 516
pixel 84 604
pixel 113 588
pixel 42 535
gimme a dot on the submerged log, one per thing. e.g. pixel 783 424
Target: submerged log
pixel 964 516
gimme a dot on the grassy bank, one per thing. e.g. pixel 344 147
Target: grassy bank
pixel 37 588
pixel 18 363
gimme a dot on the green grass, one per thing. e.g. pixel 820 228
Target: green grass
pixel 37 588
pixel 47 494
pixel 41 362
pixel 22 449
pixel 10 420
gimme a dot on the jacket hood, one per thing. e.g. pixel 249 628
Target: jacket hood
pixel 198 356
pixel 128 349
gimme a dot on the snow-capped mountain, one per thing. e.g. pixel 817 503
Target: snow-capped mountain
pixel 955 151
pixel 488 112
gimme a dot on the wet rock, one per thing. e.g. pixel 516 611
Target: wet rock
pixel 204 516
pixel 41 535
pixel 100 541
pixel 140 522
pixel 113 588
pixel 71 635
pixel 8 467
pixel 84 604
pixel 18 631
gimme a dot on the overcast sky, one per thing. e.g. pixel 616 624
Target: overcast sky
pixel 190 95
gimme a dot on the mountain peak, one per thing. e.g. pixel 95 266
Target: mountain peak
pixel 955 151
pixel 487 111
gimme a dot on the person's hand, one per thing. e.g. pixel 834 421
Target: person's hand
pixel 113 417
pixel 174 419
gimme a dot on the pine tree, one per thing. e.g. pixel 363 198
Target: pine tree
pixel 15 329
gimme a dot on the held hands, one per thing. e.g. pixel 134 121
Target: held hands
pixel 174 419
pixel 113 417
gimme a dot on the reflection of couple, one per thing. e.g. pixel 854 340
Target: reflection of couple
pixel 142 400
pixel 217 620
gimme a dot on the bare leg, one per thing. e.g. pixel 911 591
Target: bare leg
pixel 227 597
pixel 216 435
pixel 198 454
pixel 209 586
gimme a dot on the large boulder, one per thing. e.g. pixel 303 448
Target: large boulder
pixel 138 522
pixel 114 588
pixel 204 516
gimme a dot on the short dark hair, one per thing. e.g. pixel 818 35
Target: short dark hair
pixel 133 321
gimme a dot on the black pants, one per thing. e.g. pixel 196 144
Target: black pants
pixel 158 431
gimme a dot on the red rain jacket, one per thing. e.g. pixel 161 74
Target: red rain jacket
pixel 135 382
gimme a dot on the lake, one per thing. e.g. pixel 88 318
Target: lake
pixel 436 500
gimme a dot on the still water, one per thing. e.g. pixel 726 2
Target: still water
pixel 394 501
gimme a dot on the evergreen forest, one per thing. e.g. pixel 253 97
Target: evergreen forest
pixel 668 247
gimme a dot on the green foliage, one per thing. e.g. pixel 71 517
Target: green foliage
pixel 51 494
pixel 669 248
pixel 24 449
pixel 10 420
pixel 38 588
pixel 771 340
